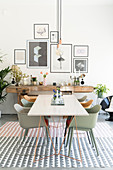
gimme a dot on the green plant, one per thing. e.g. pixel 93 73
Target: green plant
pixel 100 89
pixel 3 82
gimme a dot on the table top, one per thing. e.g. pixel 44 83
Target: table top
pixel 43 107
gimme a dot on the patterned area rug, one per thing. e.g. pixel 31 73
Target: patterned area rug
pixel 15 154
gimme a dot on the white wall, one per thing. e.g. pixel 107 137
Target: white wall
pixel 88 22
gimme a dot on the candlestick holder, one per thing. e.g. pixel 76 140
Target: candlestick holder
pixel 76 81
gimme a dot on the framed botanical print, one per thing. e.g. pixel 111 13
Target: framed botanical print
pixel 81 51
pixel 37 53
pixel 19 56
pixel 80 64
pixel 41 31
pixel 61 58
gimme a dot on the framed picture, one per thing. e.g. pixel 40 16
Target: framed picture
pixel 41 31
pixel 19 56
pixel 54 36
pixel 80 64
pixel 38 53
pixel 81 50
pixel 61 59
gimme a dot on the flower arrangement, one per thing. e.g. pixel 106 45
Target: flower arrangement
pixel 56 93
pixel 16 73
pixel 44 75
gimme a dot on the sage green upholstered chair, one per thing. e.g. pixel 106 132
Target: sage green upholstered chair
pixel 26 103
pixel 27 122
pixel 82 99
pixel 85 123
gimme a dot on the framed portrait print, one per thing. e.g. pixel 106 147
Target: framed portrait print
pixel 81 50
pixel 37 53
pixel 61 59
pixel 41 31
pixel 19 56
pixel 80 64
pixel 54 36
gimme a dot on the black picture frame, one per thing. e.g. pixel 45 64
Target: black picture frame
pixel 51 71
pixel 15 55
pixel 41 36
pixel 51 36
pixel 81 51
pixel 81 70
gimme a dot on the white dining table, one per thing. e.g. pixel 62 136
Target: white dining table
pixel 42 107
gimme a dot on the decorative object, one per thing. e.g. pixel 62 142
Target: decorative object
pixel 54 83
pixel 81 50
pixel 25 79
pixel 82 79
pixel 57 100
pixel 41 83
pixel 13 81
pixel 44 77
pixel 34 81
pixel 54 36
pixel 16 73
pixel 37 53
pixel 3 82
pixel 19 56
pixel 41 31
pixel 81 65
pixel 61 59
pixel 100 90
pixel 75 78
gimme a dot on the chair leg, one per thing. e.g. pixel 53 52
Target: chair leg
pixel 47 135
pixel 25 134
pixel 71 140
pixel 68 137
pixel 88 137
pixel 94 142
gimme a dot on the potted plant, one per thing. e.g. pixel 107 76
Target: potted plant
pixel 100 90
pixel 3 82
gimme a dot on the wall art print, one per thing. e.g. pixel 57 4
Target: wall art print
pixel 41 31
pixel 19 56
pixel 37 53
pixel 80 64
pixel 81 50
pixel 61 59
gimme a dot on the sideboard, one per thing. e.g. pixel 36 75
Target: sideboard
pixel 40 89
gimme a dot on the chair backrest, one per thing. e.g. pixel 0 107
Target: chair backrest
pixel 87 122
pixel 94 109
pixel 87 104
pixel 26 103
pixel 29 98
pixel 82 99
pixel 106 102
pixel 26 121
